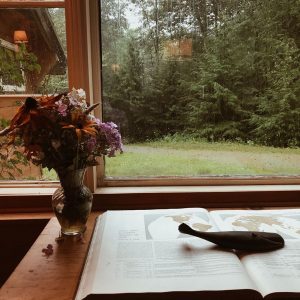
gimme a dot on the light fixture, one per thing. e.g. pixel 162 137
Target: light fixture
pixel 20 37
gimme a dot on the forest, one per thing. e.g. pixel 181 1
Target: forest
pixel 218 70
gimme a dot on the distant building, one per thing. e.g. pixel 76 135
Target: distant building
pixel 178 49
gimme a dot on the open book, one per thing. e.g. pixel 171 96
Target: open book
pixel 142 255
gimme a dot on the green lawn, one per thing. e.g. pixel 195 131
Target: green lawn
pixel 198 158
pixel 49 175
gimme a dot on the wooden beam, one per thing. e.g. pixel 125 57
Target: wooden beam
pixel 31 4
pixel 8 45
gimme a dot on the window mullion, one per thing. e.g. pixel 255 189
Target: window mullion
pixel 83 68
pixel 93 23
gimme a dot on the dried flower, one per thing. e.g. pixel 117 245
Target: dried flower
pixel 81 124
pixel 55 144
pixel 48 250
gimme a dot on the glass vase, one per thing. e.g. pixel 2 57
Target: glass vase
pixel 72 202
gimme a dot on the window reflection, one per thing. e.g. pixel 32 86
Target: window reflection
pixel 33 51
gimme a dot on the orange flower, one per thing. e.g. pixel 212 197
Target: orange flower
pixel 24 113
pixel 49 101
pixel 32 151
pixel 30 109
pixel 81 124
pixel 30 115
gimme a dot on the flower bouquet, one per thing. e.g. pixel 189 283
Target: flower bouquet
pixel 59 132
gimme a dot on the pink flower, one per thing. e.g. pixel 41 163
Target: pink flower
pixel 62 108
pixel 73 101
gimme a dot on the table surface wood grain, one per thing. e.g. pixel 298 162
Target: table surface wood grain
pixel 39 277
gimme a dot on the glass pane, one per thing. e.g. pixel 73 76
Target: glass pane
pixel 33 60
pixel 32 51
pixel 203 88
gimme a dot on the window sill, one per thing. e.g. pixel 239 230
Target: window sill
pixel 37 199
pixel 254 196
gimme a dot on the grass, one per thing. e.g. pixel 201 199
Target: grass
pixel 179 157
pixel 143 164
pixel 169 157
pixel 197 144
pixel 49 175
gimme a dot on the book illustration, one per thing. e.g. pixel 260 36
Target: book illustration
pixel 159 227
pixel 286 225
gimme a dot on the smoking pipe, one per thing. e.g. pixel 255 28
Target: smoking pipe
pixel 239 240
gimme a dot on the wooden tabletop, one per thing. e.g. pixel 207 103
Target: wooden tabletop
pixel 56 276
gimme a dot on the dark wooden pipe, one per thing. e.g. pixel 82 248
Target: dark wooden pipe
pixel 239 240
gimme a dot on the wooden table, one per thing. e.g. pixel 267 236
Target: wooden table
pixel 39 277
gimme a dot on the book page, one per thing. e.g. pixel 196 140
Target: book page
pixel 143 251
pixel 276 271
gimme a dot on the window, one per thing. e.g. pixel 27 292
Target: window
pixel 83 70
pixel 202 89
pixel 52 29
pixel 33 60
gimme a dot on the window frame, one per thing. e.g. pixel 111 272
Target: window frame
pixel 80 70
pixel 191 181
pixel 132 193
pixel 32 4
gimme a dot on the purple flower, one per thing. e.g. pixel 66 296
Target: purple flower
pixel 113 137
pixel 62 108
pixel 97 121
pixel 91 144
pixel 112 124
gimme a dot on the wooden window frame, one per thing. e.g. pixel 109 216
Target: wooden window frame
pixel 195 191
pixel 79 62
pixel 84 72
pixel 32 4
